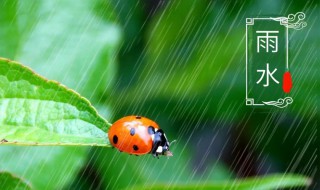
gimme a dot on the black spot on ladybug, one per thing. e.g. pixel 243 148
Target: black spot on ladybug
pixel 115 139
pixel 138 117
pixel 132 131
pixel 151 130
pixel 135 147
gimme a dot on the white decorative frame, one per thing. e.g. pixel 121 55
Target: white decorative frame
pixel 294 21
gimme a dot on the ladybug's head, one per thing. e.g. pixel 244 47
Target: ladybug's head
pixel 161 144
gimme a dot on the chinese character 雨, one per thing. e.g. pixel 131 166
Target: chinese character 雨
pixel 265 41
pixel 269 74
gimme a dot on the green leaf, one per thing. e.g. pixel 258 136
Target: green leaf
pixel 44 167
pixel 8 181
pixel 34 110
pixel 270 182
pixel 73 43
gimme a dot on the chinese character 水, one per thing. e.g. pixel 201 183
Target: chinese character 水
pixel 268 74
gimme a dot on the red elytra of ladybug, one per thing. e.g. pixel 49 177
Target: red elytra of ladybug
pixel 139 135
pixel 287 82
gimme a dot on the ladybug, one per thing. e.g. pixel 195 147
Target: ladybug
pixel 139 135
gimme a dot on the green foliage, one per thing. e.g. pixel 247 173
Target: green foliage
pixel 183 46
pixel 70 43
pixel 257 183
pixel 9 181
pixel 147 169
pixel 44 167
pixel 64 41
pixel 37 111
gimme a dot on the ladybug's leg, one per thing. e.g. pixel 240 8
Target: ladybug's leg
pixel 155 155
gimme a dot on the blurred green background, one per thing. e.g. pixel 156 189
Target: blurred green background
pixel 181 63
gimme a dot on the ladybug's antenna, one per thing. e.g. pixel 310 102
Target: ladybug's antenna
pixel 173 142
